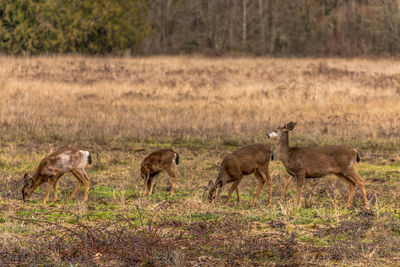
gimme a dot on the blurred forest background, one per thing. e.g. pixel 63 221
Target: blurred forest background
pixel 213 27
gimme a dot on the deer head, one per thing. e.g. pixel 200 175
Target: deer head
pixel 212 190
pixel 27 188
pixel 286 128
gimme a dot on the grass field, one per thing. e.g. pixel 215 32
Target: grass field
pixel 121 109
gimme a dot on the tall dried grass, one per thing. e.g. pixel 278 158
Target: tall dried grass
pixel 78 99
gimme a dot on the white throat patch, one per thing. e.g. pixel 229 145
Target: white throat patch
pixel 273 134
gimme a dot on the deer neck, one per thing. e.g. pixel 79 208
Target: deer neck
pixel 36 182
pixel 283 146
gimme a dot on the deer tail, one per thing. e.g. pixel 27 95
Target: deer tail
pixel 89 158
pixel 272 156
pixel 357 155
pixel 176 158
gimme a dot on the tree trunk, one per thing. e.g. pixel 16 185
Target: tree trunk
pixel 272 27
pixel 244 25
pixel 262 25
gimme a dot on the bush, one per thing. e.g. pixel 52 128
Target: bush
pixel 88 27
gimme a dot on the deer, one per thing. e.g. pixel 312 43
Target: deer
pixel 317 162
pixel 251 159
pixel 52 167
pixel 156 162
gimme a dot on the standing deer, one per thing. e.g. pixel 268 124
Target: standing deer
pixel 156 162
pixel 55 165
pixel 245 161
pixel 316 162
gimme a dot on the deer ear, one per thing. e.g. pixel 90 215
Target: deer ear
pixel 26 178
pixel 292 125
pixel 289 126
pixel 210 185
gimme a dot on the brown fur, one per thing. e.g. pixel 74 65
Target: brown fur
pixel 252 159
pixel 156 162
pixel 316 162
pixel 55 165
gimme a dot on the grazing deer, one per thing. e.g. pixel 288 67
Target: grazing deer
pixel 245 161
pixel 316 162
pixel 55 165
pixel 156 162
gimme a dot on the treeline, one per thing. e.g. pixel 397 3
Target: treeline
pixel 72 26
pixel 261 27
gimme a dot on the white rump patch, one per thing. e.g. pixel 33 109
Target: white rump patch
pixel 83 160
pixel 84 152
pixel 174 159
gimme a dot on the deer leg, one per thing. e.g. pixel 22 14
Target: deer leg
pixel 85 180
pixel 55 187
pixel 239 199
pixel 77 187
pixel 269 184
pixel 360 181
pixel 285 187
pixel 145 184
pixel 76 190
pixel 151 185
pixel 218 194
pixel 261 183
pixel 172 176
pixel 233 188
pixel 300 178
pixel 352 188
pixel 48 187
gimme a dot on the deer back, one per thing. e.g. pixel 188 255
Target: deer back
pixel 253 157
pixel 322 160
pixel 158 160
pixel 62 161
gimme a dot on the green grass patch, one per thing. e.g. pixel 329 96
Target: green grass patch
pixel 16 228
pixel 102 215
pixel 306 216
pixel 106 192
pixel 206 216
pixel 265 217
pixel 163 194
pixel 53 217
pixel 29 213
pixel 316 241
pixel 389 173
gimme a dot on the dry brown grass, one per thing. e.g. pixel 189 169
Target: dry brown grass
pixel 167 98
pixel 203 108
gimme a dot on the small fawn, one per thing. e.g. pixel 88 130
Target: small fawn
pixel 245 161
pixel 156 162
pixel 55 165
